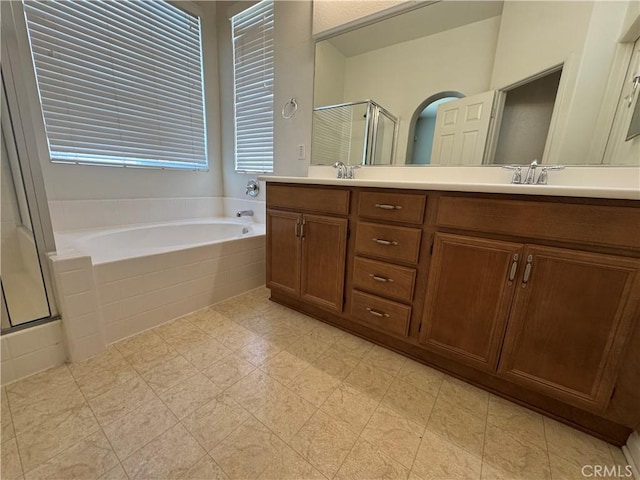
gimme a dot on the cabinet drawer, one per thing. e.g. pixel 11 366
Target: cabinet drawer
pixel 384 278
pixel 585 224
pixel 309 199
pixel 395 243
pixel 397 207
pixel 380 313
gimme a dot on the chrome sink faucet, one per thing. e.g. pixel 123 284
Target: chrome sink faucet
pixel 342 169
pixel 530 177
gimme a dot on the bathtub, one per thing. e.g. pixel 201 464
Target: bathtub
pixel 145 275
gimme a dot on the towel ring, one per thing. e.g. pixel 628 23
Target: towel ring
pixel 294 109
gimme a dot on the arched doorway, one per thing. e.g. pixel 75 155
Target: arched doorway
pixel 423 123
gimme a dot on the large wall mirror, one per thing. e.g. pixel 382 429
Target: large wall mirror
pixel 483 83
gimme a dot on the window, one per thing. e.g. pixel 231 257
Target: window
pixel 120 82
pixel 252 32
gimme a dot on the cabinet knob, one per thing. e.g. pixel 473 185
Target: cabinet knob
pixel 380 241
pixel 376 313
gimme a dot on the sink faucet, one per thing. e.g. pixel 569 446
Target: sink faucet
pixel 244 213
pixel 342 169
pixel 529 179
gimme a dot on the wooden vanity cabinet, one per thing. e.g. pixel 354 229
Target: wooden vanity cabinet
pixel 306 252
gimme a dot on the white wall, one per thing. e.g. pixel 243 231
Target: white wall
pixel 64 182
pixel 329 75
pixel 402 76
pixel 294 55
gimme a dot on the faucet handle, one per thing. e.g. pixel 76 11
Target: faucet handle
pixel 543 177
pixel 351 171
pixel 517 173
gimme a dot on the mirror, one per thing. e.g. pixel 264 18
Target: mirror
pixel 489 82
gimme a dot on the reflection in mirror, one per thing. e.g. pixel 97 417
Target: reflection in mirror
pixel 23 293
pixel 491 49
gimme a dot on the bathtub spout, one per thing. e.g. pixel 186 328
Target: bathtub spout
pixel 244 213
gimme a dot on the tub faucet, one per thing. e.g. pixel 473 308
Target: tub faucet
pixel 244 213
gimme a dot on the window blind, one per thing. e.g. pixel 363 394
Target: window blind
pixel 252 32
pixel 120 82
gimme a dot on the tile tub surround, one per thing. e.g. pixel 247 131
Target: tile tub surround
pixel 248 389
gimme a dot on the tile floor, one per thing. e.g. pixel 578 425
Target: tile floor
pixel 249 389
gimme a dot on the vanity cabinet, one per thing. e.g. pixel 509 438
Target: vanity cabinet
pixel 533 298
pixel 306 252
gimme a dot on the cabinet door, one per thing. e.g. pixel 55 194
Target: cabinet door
pixel 569 324
pixel 471 284
pixel 324 246
pixel 283 251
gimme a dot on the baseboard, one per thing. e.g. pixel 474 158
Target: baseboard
pixel 632 452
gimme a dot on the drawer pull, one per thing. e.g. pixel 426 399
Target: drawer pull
pixel 386 206
pixel 377 313
pixel 514 267
pixel 527 271
pixel 384 242
pixel 381 279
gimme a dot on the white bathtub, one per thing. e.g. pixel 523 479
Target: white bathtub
pixel 145 275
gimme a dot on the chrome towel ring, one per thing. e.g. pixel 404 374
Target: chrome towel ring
pixel 291 106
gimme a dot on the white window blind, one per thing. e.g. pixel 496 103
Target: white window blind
pixel 120 82
pixel 252 32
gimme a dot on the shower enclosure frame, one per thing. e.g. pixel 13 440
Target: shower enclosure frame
pixel 371 128
pixel 22 101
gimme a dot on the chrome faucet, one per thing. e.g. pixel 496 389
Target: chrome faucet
pixel 542 178
pixel 342 169
pixel 244 213
pixel 530 178
pixel 351 171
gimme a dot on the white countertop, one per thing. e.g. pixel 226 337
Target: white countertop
pixel 590 182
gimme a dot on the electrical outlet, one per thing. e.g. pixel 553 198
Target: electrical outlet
pixel 301 152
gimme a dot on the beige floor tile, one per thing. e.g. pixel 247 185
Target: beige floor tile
pixel 422 377
pixel 351 406
pixel 31 389
pixel 575 446
pixel 8 432
pixel 248 451
pixel 385 360
pixel 336 364
pixel 465 396
pixel 281 336
pixel 167 374
pixel 514 455
pixel 258 351
pixel 116 473
pixel 146 350
pixel 314 385
pixel 366 462
pixel 233 336
pixel 393 435
pixel 10 466
pixel 121 400
pixel 206 354
pixel 214 421
pixel 457 425
pixel 135 430
pixel 181 334
pixel 324 442
pixel 228 371
pixel 101 373
pixel 54 435
pixel 352 345
pixel 307 348
pixel 190 394
pixel 3 396
pixel 53 404
pixel 409 401
pixel 205 469
pixel 516 421
pixel 284 367
pixel 169 456
pixel 87 459
pixel 288 465
pixel 369 380
pixel 439 459
pixel 209 320
pixel 278 408
pixel 327 334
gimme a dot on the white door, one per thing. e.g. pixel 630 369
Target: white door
pixel 462 127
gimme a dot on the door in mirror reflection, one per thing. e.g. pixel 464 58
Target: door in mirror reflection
pixel 23 292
